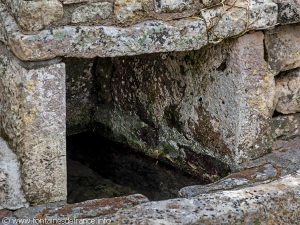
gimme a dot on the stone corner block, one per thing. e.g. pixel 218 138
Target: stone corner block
pixel 32 119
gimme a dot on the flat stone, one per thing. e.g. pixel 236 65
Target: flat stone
pixel 275 202
pixel 92 12
pixel 146 37
pixel 246 177
pixel 32 119
pixel 88 209
pixel 287 98
pixel 282 44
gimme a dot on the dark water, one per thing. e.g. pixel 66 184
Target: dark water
pixel 99 168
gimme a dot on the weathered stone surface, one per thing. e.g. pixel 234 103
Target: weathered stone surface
pixel 264 203
pixel 127 9
pixel 276 202
pixel 238 17
pixel 286 127
pixel 92 12
pixel 35 15
pixel 283 47
pixel 181 106
pixel 88 209
pixel 11 194
pixel 210 3
pixel 80 100
pixel 32 120
pixel 236 180
pixel 284 155
pixel 288 11
pixel 147 37
pixel 287 98
pixel 173 5
pixel 65 2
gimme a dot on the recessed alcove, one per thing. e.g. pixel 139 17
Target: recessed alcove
pixel 99 168
pixel 105 161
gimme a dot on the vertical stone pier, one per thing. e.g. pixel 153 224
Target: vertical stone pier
pixel 32 123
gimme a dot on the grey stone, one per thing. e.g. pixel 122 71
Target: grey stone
pixel 217 102
pixel 92 12
pixel 146 37
pixel 127 9
pixel 284 155
pixel 287 99
pixel 282 47
pixel 11 194
pixel 35 15
pixel 247 177
pixel 89 209
pixel 274 202
pixel 32 120
pixel 66 2
pixel 288 11
pixel 286 127
pixel 173 5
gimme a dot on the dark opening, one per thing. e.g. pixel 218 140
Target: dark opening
pixel 98 168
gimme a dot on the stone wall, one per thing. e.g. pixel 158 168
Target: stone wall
pixel 198 85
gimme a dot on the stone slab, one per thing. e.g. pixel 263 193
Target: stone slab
pixel 146 37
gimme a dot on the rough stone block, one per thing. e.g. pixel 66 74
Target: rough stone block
pixel 288 11
pixel 276 202
pixel 11 193
pixel 32 120
pixel 216 102
pixel 151 36
pixel 93 12
pixel 283 49
pixel 287 99
pixel 286 127
pixel 127 9
pixel 35 15
pixel 173 5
